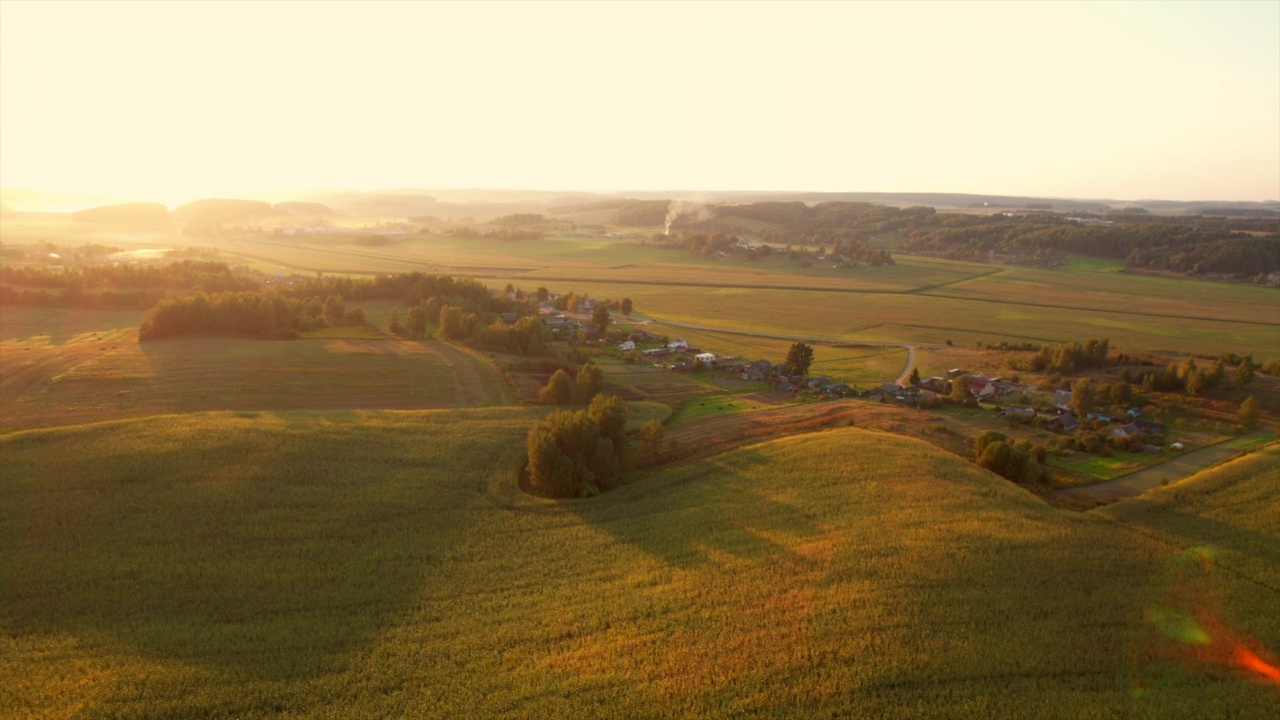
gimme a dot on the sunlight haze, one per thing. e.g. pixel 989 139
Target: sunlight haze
pixel 171 102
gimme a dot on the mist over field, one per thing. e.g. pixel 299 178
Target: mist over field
pixel 619 360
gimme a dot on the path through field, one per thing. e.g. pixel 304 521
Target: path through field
pixel 1175 469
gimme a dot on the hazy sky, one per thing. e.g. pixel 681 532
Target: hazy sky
pixel 170 101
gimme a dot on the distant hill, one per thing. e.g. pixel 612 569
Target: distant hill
pixel 214 211
pixel 292 209
pixel 140 213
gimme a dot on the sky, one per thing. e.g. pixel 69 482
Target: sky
pixel 174 101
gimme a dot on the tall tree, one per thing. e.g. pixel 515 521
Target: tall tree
pixel 1083 397
pixel 1243 374
pixel 600 317
pixel 626 306
pixel 590 382
pixel 799 358
pixel 558 390
pixel 1249 413
pixel 959 389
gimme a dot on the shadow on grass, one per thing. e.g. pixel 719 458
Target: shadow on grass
pixel 721 519
pixel 262 547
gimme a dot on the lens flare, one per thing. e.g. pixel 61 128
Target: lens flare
pixel 1178 626
pixel 1200 633
pixel 1250 661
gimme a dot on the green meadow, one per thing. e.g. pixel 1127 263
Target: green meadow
pixel 383 564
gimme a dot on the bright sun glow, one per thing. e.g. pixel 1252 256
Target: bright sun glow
pixel 170 101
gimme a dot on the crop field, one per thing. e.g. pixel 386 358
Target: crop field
pixel 73 365
pixel 369 564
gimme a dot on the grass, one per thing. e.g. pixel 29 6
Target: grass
pixel 87 365
pixel 382 564
pixel 1105 468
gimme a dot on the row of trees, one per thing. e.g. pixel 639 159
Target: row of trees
pixel 251 314
pixel 1070 357
pixel 561 390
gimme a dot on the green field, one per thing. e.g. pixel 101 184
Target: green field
pixel 365 564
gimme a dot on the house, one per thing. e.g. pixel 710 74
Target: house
pixel 556 322
pixel 981 387
pixel 1126 431
pixel 1065 422
pixel 1062 399
pixel 626 345
pixel 1133 413
pixel 956 372
pixel 510 318
pixel 1003 387
pixel 657 351
pixel 936 383
pixel 890 388
pixel 586 306
pixel 1023 414
pixel 1151 428
pixel 758 370
pixel 839 390
pixel 819 382
pixel 678 345
pixel 706 358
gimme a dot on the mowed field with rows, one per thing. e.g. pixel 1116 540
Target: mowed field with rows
pixel 383 564
pixel 65 366
pixel 919 300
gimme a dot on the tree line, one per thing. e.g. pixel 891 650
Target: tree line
pixel 248 314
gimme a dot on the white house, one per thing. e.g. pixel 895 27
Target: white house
pixel 678 345
pixel 626 345
pixel 706 358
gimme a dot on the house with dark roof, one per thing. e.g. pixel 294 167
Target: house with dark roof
pixel 1062 399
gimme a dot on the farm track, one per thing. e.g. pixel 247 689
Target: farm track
pixel 1172 470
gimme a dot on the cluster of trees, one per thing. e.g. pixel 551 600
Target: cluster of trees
pixel 1087 395
pixel 1187 376
pixel 1155 243
pixel 118 285
pixel 252 314
pixel 579 453
pixel 1017 460
pixel 1070 357
pixel 528 336
pixel 561 390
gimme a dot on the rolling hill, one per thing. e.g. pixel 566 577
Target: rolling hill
pixel 384 564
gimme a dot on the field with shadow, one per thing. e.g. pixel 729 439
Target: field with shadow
pixel 381 564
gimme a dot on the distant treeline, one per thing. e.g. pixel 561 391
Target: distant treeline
pixel 1163 246
pixel 1191 244
pixel 116 285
